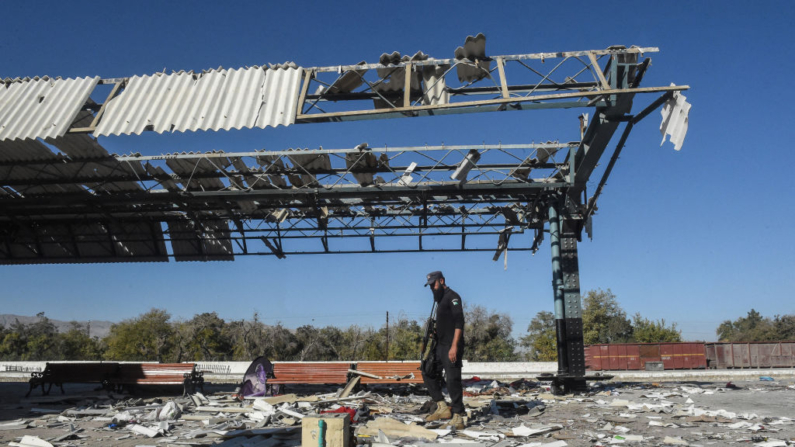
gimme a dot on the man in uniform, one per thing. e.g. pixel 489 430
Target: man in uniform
pixel 449 352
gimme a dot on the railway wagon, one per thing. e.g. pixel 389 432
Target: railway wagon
pixel 728 355
pixel 633 356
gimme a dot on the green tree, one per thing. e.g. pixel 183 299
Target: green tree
pixel 405 339
pixel 279 343
pixel 784 327
pixel 76 344
pixel 603 319
pixel 353 343
pixel 540 342
pixel 755 327
pixel 247 338
pixel 648 331
pixel 148 337
pixel 488 336
pixel 204 337
pixel 41 339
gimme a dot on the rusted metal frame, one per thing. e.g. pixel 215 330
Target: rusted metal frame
pixel 470 190
pixel 242 244
pixel 75 247
pixel 98 182
pixel 523 88
pixel 39 171
pixel 68 214
pixel 539 56
pixel 117 207
pixel 546 76
pixel 599 74
pixel 20 224
pixel 307 172
pixel 501 101
pixel 438 162
pixel 232 180
pixel 399 150
pixel 539 86
pixel 113 250
pixel 153 232
pixel 187 184
pixel 370 87
pixel 391 251
pixel 362 233
pixel 619 147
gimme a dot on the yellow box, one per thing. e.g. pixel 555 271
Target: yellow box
pixel 338 430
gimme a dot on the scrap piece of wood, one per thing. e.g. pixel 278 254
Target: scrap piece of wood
pixel 225 409
pixel 350 386
pixel 365 374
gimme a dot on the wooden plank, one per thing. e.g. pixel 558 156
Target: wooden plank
pixel 503 81
pixel 407 87
pixel 598 70
pixel 304 88
pixel 105 104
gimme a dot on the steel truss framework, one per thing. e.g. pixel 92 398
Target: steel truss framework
pixel 90 206
pixel 74 202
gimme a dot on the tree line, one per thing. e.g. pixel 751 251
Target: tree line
pixel 154 336
pixel 603 321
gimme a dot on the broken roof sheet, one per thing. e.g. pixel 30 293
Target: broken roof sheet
pixel 41 107
pixel 217 99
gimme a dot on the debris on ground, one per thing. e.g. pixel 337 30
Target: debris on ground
pixel 521 413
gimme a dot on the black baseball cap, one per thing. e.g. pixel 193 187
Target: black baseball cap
pixel 432 277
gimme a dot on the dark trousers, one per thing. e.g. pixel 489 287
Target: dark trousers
pixel 452 375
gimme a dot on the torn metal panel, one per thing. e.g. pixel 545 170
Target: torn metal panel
pixel 474 49
pixel 84 242
pixel 41 107
pixel 435 86
pixel 205 241
pixel 213 100
pixel 360 161
pixel 347 82
pixel 393 78
pixel 675 115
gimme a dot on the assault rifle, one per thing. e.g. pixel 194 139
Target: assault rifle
pixel 428 360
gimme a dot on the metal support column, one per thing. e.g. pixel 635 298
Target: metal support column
pixel 568 307
pixel 570 272
pixel 557 288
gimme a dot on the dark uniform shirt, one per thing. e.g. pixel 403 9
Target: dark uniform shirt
pixel 449 317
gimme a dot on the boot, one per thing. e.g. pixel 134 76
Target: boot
pixel 457 422
pixel 442 412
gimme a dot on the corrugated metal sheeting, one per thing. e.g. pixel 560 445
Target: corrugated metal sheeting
pixel 474 49
pixel 41 107
pixel 217 99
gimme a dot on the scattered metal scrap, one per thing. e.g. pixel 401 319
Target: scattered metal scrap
pixel 520 413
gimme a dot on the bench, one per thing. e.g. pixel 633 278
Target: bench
pixel 84 372
pixel 285 373
pixel 134 374
pixel 391 372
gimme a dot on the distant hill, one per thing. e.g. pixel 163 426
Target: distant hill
pixel 98 328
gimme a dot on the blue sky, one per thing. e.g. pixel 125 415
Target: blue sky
pixel 694 237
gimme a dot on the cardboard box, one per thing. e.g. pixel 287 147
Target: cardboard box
pixel 338 430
